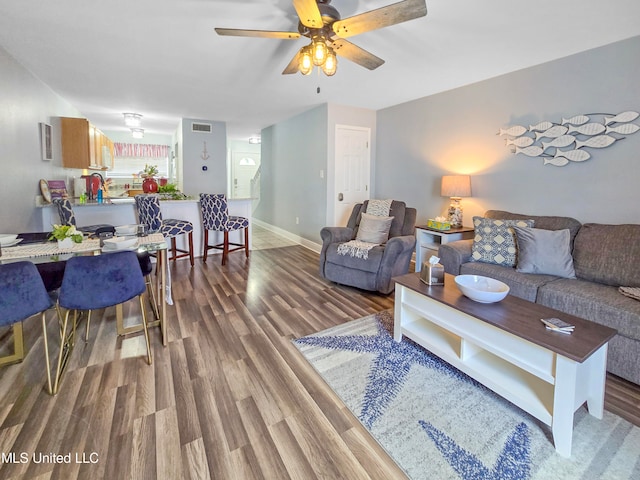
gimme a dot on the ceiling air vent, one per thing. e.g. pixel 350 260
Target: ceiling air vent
pixel 201 127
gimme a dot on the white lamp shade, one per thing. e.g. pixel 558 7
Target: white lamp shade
pixel 456 186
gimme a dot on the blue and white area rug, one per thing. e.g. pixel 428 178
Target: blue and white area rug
pixel 437 423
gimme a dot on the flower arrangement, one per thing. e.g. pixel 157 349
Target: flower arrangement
pixel 62 232
pixel 150 171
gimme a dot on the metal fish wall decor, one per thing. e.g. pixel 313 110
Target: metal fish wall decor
pixel 560 144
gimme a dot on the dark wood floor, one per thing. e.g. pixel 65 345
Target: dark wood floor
pixel 228 397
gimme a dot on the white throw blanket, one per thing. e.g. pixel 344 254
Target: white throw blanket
pixel 631 292
pixel 357 248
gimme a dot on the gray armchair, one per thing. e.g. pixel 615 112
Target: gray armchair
pixel 384 262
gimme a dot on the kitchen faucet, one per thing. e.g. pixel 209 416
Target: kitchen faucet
pixel 90 183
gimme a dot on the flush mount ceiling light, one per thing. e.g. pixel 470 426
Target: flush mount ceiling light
pixel 132 119
pixel 137 132
pixel 255 139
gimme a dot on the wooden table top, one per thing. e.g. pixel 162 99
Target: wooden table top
pixel 519 317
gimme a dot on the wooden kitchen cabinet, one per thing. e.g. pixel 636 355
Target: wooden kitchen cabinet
pixel 84 146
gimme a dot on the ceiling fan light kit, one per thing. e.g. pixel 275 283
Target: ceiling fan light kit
pixel 322 23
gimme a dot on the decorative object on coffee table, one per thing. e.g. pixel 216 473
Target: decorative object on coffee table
pixel 482 289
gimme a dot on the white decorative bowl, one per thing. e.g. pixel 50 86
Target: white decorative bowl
pixel 120 243
pixel 482 289
pixel 6 238
pixel 126 230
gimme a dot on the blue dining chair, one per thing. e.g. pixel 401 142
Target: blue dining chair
pixel 215 216
pixel 148 208
pixel 22 295
pixel 101 281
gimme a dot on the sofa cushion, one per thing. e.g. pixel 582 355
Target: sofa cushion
pixel 544 251
pixel 494 240
pixel 546 222
pixel 374 229
pixel 397 211
pixel 522 285
pixel 608 254
pixel 599 303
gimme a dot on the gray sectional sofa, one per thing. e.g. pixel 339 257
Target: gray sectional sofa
pixel 605 257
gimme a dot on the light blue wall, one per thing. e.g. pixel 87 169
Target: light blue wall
pixel 25 102
pixel 293 153
pixel 194 179
pixel 297 177
pixel 455 132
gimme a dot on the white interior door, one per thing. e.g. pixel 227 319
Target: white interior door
pixel 244 166
pixel 352 170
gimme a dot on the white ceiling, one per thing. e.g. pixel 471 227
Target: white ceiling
pixel 162 58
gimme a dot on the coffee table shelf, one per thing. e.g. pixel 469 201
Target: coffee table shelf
pixel 506 348
pixel 507 374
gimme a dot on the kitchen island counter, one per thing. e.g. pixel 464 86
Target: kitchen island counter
pixel 123 212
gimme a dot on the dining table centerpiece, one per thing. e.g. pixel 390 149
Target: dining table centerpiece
pixel 66 235
pixel 149 184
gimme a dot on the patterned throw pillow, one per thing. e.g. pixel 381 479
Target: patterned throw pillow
pixel 495 241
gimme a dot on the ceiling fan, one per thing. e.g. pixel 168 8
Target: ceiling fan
pixel 321 23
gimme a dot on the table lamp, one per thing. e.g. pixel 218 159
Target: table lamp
pixel 455 187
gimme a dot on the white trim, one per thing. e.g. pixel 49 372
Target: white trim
pixel 315 247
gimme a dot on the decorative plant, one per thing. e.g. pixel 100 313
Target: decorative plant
pixel 150 171
pixel 60 232
pixel 170 192
pixel 168 188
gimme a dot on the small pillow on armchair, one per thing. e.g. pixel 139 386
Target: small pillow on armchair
pixel 494 240
pixel 374 229
pixel 545 252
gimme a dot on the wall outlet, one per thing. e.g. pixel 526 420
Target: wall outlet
pixel 321 173
pixel 297 220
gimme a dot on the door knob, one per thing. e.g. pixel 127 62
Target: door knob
pixel 340 197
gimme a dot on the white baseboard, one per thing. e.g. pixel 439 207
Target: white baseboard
pixel 315 247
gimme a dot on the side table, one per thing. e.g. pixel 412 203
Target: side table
pixel 428 240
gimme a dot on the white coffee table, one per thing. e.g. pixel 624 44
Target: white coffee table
pixel 505 347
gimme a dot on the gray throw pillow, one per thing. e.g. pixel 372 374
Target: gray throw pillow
pixel 494 240
pixel 545 252
pixel 374 229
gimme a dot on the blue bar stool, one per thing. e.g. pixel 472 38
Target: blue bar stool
pixel 148 207
pixel 67 217
pixel 215 216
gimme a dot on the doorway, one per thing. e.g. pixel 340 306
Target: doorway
pixel 352 170
pixel 244 168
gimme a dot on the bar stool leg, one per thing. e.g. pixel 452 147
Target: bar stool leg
pixel 225 247
pixel 173 248
pixel 246 241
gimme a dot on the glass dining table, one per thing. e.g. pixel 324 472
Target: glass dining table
pixel 47 254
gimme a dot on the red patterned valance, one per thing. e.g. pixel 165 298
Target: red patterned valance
pixel 141 150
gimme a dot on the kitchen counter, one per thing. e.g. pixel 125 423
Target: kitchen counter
pixel 121 211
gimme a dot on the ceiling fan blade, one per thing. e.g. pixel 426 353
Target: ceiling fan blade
pixel 308 13
pixel 381 17
pixel 293 65
pixel 358 55
pixel 237 32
